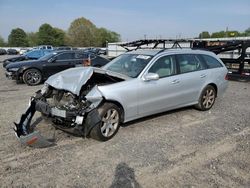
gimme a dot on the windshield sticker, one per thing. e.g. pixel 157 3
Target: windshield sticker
pixel 143 57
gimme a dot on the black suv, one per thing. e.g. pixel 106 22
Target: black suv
pixel 3 51
pixel 34 72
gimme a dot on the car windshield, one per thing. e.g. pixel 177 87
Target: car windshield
pixel 35 54
pixel 128 64
pixel 47 56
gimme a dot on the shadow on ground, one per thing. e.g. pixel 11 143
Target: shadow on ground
pixel 124 177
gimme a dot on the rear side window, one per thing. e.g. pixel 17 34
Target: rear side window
pixel 211 61
pixel 65 56
pixel 79 56
pixel 189 63
pixel 83 56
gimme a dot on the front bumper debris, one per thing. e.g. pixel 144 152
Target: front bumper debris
pixel 35 139
pixel 24 130
pixel 70 121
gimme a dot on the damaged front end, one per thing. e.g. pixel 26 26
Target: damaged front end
pixel 65 110
pixel 70 106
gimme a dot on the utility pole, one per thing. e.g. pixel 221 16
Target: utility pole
pixel 226 32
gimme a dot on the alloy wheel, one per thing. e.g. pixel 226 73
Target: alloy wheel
pixel 208 98
pixel 110 122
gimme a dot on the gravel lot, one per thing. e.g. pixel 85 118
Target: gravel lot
pixel 181 148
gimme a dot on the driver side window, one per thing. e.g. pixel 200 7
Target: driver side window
pixel 164 66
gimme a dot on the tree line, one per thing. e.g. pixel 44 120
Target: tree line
pixel 222 34
pixel 81 33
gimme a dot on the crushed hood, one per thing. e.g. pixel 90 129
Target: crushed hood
pixel 73 79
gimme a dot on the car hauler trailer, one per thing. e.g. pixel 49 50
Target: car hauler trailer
pixel 234 53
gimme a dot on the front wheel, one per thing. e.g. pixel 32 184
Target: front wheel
pixel 207 98
pixel 110 122
pixel 32 77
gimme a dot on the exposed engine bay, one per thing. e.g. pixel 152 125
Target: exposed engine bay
pixel 72 112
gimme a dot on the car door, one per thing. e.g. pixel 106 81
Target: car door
pixel 59 63
pixel 163 93
pixel 192 77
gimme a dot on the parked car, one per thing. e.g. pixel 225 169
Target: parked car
pixel 94 60
pixel 64 48
pixel 94 102
pixel 3 51
pixel 12 51
pixel 33 72
pixel 23 51
pixel 98 51
pixel 44 47
pixel 31 55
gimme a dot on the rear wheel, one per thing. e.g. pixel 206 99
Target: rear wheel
pixel 32 77
pixel 207 98
pixel 110 122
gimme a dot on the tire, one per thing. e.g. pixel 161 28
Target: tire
pixel 32 77
pixel 109 125
pixel 207 98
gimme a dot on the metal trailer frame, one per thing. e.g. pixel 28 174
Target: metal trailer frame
pixel 218 46
pixel 236 73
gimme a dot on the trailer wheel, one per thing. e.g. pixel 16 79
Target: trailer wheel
pixel 207 98
pixel 110 122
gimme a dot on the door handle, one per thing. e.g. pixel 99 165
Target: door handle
pixel 175 81
pixel 203 75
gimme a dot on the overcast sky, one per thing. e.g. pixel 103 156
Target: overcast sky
pixel 131 18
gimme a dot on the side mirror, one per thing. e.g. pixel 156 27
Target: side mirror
pixel 51 60
pixel 150 76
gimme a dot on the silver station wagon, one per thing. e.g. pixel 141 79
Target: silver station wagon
pixel 95 101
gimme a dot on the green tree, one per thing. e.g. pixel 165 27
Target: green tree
pixel 247 32
pixel 17 38
pixel 2 43
pixel 219 34
pixel 204 34
pixel 104 36
pixel 50 36
pixel 59 37
pixel 32 39
pixel 45 34
pixel 113 37
pixel 232 34
pixel 82 33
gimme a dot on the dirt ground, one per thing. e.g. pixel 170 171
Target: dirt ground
pixel 181 148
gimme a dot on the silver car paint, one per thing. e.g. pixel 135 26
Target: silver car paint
pixel 136 98
pixel 94 96
pixel 140 98
pixel 73 79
